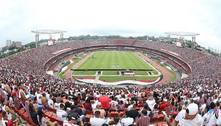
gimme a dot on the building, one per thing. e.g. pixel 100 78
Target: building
pixel 16 44
pixel 8 43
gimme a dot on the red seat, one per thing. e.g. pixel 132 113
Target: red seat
pixel 25 115
pixel 52 116
pixel 30 121
pixel 162 124
pixel 114 114
pixel 52 109
pixel 0 116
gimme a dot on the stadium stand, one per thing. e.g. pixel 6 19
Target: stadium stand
pixel 40 99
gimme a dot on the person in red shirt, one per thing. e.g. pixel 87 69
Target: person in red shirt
pixel 87 106
pixel 105 102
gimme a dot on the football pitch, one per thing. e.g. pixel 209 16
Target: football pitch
pixel 109 65
pixel 115 60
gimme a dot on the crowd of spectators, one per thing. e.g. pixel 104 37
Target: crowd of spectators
pixel 28 93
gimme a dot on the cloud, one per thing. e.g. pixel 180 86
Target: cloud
pixel 124 17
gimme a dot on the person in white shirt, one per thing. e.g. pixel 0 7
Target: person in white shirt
pixel 130 106
pixel 212 117
pixel 97 120
pixel 50 103
pixel 61 113
pixel 47 95
pixel 126 121
pixel 94 104
pixel 38 96
pixel 218 117
pixel 188 117
pixel 57 105
pixel 151 102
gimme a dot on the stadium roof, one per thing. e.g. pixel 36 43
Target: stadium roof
pixel 47 31
pixel 182 33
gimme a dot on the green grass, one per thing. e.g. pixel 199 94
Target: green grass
pixel 84 72
pixel 140 72
pixel 110 73
pixel 84 77
pixel 121 78
pixel 115 60
pixel 154 72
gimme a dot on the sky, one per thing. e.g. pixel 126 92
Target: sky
pixel 111 17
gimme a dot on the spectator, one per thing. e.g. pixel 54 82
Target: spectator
pixel 61 113
pixel 44 100
pixel 126 121
pixel 210 118
pixel 143 120
pixel 33 114
pixel 189 117
pixel 97 120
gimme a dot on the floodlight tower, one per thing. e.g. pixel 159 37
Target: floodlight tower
pixel 48 32
pixel 184 34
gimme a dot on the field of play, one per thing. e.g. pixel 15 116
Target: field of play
pixel 115 60
pixel 110 64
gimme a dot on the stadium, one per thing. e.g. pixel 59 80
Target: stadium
pixel 119 62
pixel 75 75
